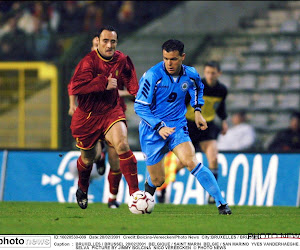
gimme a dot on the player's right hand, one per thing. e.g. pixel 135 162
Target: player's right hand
pixel 112 82
pixel 164 132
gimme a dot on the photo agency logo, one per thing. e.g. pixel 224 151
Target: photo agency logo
pixel 25 241
pixel 263 236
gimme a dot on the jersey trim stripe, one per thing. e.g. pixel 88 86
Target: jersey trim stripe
pixel 196 91
pixel 144 94
pixel 109 127
pixel 142 102
pixel 85 148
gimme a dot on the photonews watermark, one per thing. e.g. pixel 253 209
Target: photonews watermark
pixel 262 236
pixel 25 241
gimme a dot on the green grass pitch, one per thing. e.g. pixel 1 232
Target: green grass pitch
pixel 68 218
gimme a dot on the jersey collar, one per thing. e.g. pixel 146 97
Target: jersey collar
pixel 102 58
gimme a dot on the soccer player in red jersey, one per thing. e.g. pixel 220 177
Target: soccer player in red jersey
pixel 115 175
pixel 99 114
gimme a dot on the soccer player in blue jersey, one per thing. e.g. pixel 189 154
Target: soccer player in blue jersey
pixel 160 102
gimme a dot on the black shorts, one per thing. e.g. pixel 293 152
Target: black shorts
pixel 196 135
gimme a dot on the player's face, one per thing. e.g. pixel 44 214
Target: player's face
pixel 236 119
pixel 107 43
pixel 95 43
pixel 294 123
pixel 211 75
pixel 173 61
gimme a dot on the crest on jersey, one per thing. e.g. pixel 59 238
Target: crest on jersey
pixel 117 73
pixel 184 86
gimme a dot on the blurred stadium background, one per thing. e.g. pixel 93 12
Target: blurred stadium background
pixel 41 42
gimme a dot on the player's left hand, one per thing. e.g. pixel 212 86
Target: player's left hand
pixel 164 132
pixel 224 127
pixel 200 121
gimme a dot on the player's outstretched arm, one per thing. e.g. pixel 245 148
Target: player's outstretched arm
pixel 200 121
pixel 125 94
pixel 129 79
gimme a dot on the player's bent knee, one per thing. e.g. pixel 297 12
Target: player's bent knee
pixel 158 181
pixel 122 147
pixel 191 164
pixel 87 161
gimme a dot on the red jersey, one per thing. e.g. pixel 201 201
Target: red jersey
pixel 89 81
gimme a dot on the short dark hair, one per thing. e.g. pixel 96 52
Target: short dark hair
pixel 295 114
pixel 172 45
pixel 241 112
pixel 108 27
pixel 213 64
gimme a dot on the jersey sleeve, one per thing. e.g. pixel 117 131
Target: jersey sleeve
pixel 196 92
pixel 144 98
pixel 83 81
pixel 129 78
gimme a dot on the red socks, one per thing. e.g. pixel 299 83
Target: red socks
pixel 84 173
pixel 114 178
pixel 128 167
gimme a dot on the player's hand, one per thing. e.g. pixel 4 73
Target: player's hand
pixel 112 82
pixel 200 121
pixel 224 127
pixel 164 132
pixel 72 109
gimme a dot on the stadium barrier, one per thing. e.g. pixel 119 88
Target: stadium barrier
pixel 244 179
pixel 28 105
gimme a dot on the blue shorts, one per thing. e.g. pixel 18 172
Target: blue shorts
pixel 154 147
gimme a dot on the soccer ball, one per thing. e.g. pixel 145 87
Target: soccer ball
pixel 141 202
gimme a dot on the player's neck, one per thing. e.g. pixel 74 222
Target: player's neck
pixel 212 84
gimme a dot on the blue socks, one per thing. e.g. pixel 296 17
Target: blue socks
pixel 149 180
pixel 149 187
pixel 208 182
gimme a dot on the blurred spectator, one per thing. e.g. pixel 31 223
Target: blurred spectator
pixel 72 16
pixel 46 27
pixel 11 43
pixel 33 15
pixel 110 11
pixel 288 139
pixel 239 137
pixel 92 18
pixel 41 40
pixel 126 16
pixel 27 21
pixel 54 17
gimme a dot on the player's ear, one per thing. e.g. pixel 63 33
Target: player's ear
pixel 183 56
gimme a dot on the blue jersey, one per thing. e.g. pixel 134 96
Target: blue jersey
pixel 161 98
